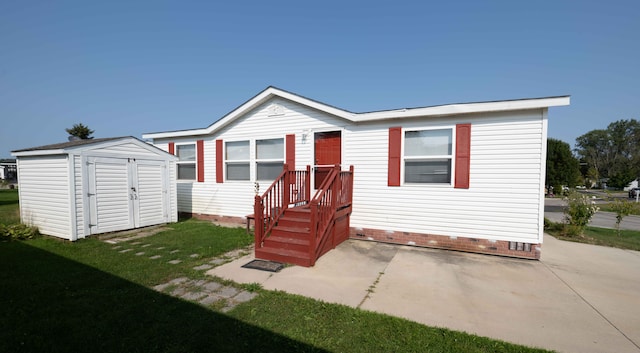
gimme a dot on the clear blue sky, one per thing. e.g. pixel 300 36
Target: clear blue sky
pixel 130 67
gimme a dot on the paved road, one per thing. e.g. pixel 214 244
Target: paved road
pixel 553 210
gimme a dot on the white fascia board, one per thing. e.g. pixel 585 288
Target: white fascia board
pixel 247 106
pixel 38 153
pixel 465 108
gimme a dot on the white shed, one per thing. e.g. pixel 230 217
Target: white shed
pixel 74 189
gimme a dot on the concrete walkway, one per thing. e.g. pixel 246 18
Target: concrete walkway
pixel 578 298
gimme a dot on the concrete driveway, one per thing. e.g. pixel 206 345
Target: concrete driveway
pixel 578 298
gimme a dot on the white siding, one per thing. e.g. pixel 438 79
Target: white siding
pixel 125 149
pixel 44 194
pixel 502 202
pixel 79 196
pixel 235 198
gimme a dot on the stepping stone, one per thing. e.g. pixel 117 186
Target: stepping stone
pixel 155 257
pixel 125 250
pixel 178 292
pixel 245 296
pixel 228 291
pixel 178 280
pixel 202 267
pixel 145 245
pixel 212 286
pixel 111 242
pixel 193 295
pixel 140 253
pixel 199 282
pixel 217 261
pixel 161 287
pixel 173 251
pixel 175 262
pixel 193 256
pixel 117 247
pixel 228 307
pixel 136 243
pixel 160 248
pixel 210 299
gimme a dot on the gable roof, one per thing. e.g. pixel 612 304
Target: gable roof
pixel 429 111
pixel 70 146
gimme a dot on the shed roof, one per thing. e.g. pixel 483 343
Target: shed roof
pixel 438 110
pixel 67 147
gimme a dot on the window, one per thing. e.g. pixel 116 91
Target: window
pixel 428 156
pixel 187 162
pixel 237 160
pixel 269 158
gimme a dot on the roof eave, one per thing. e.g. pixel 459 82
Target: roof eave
pixel 466 108
pixel 249 105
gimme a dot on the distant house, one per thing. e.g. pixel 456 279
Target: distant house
pixel 465 176
pixel 8 171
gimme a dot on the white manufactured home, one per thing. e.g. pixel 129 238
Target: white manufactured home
pixel 466 176
pixel 74 189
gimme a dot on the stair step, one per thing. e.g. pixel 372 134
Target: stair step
pixel 283 255
pixel 290 232
pixel 288 243
pixel 294 222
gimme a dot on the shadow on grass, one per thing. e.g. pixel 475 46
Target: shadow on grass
pixel 49 304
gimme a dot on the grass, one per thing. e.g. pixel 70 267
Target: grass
pixel 9 213
pixel 628 239
pixel 607 207
pixel 91 296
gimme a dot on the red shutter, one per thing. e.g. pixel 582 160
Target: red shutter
pixel 463 154
pixel 200 160
pixel 172 148
pixel 395 151
pixel 290 147
pixel 219 162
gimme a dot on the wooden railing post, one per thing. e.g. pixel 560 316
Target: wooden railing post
pixel 258 213
pixel 350 199
pixel 313 231
pixel 287 188
pixel 307 185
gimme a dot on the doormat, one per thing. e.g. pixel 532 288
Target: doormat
pixel 264 265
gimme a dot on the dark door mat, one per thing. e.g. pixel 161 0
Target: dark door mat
pixel 264 265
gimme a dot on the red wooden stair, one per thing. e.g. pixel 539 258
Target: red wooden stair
pixel 293 228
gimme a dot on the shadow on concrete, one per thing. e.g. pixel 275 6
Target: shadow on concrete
pixel 52 304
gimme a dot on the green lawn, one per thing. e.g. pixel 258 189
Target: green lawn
pixel 91 296
pixel 9 213
pixel 628 239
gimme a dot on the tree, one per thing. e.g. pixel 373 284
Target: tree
pixel 80 131
pixel 614 153
pixel 562 167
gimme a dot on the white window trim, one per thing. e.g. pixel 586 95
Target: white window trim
pixel 268 160
pixel 195 162
pixel 448 185
pixel 236 161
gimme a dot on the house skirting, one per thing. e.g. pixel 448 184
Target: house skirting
pixel 475 245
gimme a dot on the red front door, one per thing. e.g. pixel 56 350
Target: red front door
pixel 328 152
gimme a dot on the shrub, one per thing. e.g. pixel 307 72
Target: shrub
pixel 622 208
pixel 18 231
pixel 578 212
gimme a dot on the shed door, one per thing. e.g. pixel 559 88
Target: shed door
pixel 110 201
pixel 125 193
pixel 328 147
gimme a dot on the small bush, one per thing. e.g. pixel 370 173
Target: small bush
pixel 18 232
pixel 579 211
pixel 622 208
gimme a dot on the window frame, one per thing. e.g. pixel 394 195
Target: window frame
pixel 228 161
pixel 450 157
pixel 257 161
pixel 194 162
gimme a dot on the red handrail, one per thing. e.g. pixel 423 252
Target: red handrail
pixel 291 187
pixel 335 193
